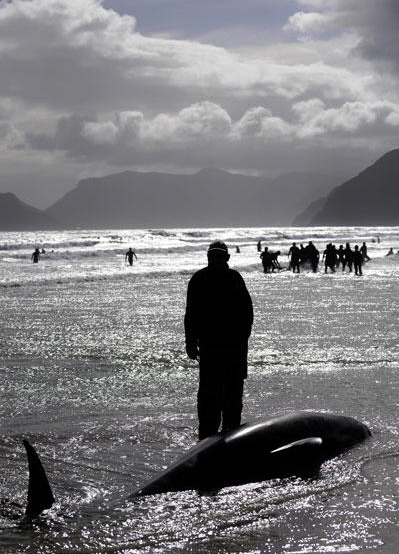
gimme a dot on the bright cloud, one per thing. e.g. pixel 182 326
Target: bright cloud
pixel 207 123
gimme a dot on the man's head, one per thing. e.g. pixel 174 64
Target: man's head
pixel 218 254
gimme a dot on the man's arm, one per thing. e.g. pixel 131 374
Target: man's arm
pixel 250 311
pixel 190 323
pixel 246 307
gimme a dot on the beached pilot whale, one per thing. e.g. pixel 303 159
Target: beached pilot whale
pixel 292 444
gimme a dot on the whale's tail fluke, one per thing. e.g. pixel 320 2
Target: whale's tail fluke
pixel 40 496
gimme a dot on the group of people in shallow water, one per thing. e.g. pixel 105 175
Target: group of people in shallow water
pixel 391 252
pixel 298 256
pixel 129 256
pixel 333 258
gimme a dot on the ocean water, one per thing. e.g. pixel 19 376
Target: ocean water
pixel 94 373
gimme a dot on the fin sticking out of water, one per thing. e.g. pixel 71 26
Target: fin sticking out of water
pixel 40 496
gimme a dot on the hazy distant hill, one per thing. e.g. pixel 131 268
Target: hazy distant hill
pixel 210 197
pixel 18 216
pixel 305 217
pixel 370 198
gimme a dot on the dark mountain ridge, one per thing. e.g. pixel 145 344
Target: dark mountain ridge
pixel 211 197
pixel 370 198
pixel 15 215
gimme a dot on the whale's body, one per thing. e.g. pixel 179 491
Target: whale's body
pixel 292 444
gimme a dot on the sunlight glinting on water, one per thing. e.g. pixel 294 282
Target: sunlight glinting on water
pixel 95 374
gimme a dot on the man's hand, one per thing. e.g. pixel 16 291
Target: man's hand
pixel 192 351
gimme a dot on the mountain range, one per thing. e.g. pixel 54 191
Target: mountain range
pixel 216 198
pixel 211 197
pixel 15 215
pixel 370 198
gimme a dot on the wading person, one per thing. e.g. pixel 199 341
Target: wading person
pixel 357 261
pixel 266 260
pixel 363 251
pixel 341 257
pixel 348 258
pixel 35 256
pixel 217 323
pixel 274 258
pixel 294 254
pixel 129 256
pixel 313 256
pixel 330 257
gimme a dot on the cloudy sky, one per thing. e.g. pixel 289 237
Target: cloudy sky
pixel 91 87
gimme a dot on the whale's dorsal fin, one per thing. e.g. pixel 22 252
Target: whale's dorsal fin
pixel 303 443
pixel 40 496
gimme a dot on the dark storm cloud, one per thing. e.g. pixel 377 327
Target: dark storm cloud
pixel 374 22
pixel 68 137
pixel 379 40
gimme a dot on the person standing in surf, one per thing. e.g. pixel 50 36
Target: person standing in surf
pixel 294 254
pixel 129 256
pixel 266 260
pixel 348 258
pixel 218 322
pixel 363 251
pixel 330 257
pixel 357 260
pixel 35 256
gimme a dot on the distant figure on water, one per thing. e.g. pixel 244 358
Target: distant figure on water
pixel 274 260
pixel 294 254
pixel 341 257
pixel 330 258
pixel 238 250
pixel 259 246
pixel 303 254
pixel 348 258
pixel 390 252
pixel 357 261
pixel 312 256
pixel 266 260
pixel 218 322
pixel 35 256
pixel 363 251
pixel 129 256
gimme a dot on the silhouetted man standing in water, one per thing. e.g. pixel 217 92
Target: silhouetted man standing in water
pixel 217 324
pixel 294 254
pixel 129 256
pixel 35 256
pixel 357 261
